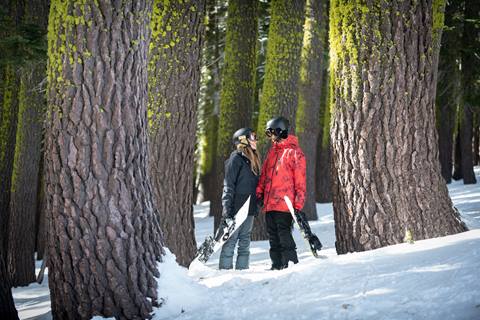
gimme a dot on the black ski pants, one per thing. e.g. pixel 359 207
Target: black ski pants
pixel 282 245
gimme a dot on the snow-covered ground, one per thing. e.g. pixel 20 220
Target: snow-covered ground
pixel 430 279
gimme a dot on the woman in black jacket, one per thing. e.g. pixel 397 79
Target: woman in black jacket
pixel 242 170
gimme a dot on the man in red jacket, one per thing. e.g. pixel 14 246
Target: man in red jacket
pixel 283 173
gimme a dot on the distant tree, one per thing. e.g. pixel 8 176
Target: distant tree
pixel 323 163
pixel 282 71
pixel 448 85
pixel 387 179
pixel 174 77
pixel 212 64
pixel 468 101
pixel 238 76
pixel 26 166
pixel 105 238
pixel 310 90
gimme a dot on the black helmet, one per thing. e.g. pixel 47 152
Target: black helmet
pixel 278 126
pixel 241 134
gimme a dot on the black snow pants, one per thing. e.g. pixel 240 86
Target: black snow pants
pixel 282 245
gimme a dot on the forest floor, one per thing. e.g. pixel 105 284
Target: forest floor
pixel 430 279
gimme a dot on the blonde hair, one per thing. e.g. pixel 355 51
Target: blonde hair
pixel 251 154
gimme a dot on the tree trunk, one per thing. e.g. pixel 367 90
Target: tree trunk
pixel 476 140
pixel 105 238
pixel 7 306
pixel 282 71
pixel 310 89
pixel 174 75
pixel 385 146
pixel 41 214
pixel 448 86
pixel 238 81
pixel 23 196
pixel 323 166
pixel 457 162
pixel 210 99
pixel 469 89
pixel 8 127
pixel 466 138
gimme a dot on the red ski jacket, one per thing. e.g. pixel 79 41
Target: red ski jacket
pixel 283 173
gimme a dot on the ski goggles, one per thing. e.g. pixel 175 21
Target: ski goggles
pixel 252 136
pixel 270 131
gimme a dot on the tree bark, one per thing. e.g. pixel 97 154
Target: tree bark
pixel 385 146
pixel 282 71
pixel 448 86
pixel 105 238
pixel 25 173
pixel 238 82
pixel 310 90
pixel 174 75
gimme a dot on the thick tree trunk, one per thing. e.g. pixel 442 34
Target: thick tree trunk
pixel 385 147
pixel 238 82
pixel 7 306
pixel 174 77
pixel 448 86
pixel 23 196
pixel 310 89
pixel 282 72
pixel 105 238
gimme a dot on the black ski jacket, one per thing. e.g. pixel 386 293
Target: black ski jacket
pixel 240 182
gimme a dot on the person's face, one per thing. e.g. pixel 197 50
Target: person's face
pixel 252 139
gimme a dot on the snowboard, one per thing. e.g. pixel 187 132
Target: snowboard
pixel 224 232
pixel 301 221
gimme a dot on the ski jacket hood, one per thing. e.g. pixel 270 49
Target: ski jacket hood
pixel 283 173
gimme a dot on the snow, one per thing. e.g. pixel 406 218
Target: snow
pixel 430 279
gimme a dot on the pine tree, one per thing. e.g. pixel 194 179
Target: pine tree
pixel 310 89
pixel 174 77
pixel 468 101
pixel 238 76
pixel 282 69
pixel 323 165
pixel 385 147
pixel 26 166
pixel 448 85
pixel 105 239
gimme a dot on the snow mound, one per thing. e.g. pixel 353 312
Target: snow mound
pixel 177 292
